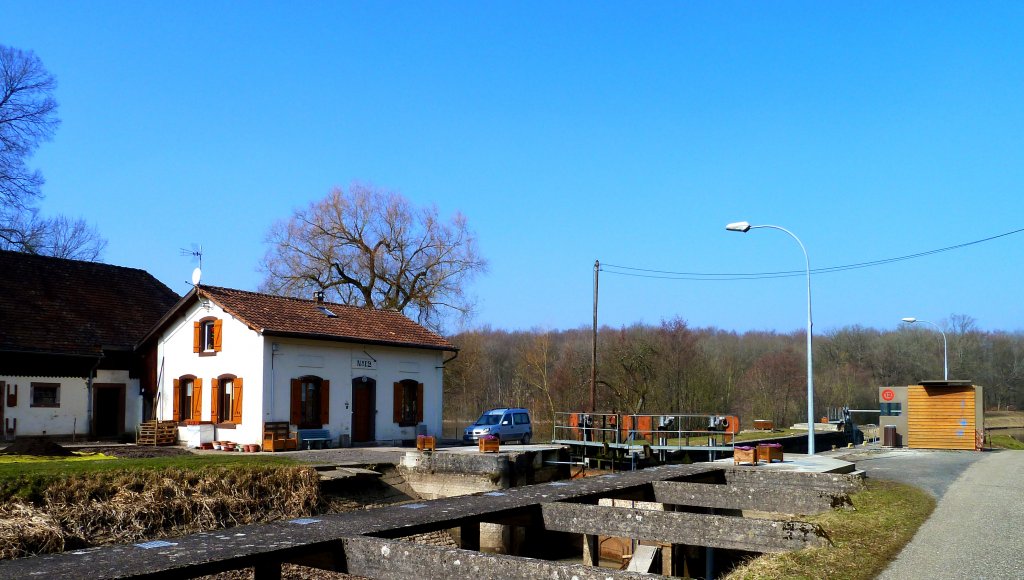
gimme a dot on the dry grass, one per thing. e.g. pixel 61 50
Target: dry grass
pixel 123 506
pixel 1003 419
pixel 865 540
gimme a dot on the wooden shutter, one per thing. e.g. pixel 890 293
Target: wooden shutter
pixel 217 327
pixel 197 399
pixel 177 400
pixel 196 331
pixel 325 402
pixel 214 399
pixel 398 399
pixel 236 402
pixel 296 415
pixel 419 403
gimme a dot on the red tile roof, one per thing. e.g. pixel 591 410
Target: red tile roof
pixel 277 315
pixel 58 306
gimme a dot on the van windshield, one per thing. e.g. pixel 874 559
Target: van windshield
pixel 488 420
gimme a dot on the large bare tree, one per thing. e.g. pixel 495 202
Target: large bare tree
pixel 371 247
pixel 28 117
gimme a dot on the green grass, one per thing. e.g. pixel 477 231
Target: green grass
pixel 865 540
pixel 1005 442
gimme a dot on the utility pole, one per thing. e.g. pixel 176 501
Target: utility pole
pixel 593 354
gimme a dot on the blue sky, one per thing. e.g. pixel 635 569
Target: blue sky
pixel 565 132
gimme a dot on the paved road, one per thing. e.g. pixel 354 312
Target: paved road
pixel 977 529
pixel 931 470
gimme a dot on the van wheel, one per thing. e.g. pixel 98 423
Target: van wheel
pixel 526 439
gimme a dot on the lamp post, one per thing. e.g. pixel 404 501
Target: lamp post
pixel 945 350
pixel 746 227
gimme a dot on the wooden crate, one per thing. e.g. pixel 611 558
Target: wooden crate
pixel 488 445
pixel 426 443
pixel 157 433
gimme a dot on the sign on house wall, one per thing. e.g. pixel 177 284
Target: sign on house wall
pixel 363 363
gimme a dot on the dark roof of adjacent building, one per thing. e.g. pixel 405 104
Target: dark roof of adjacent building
pixel 70 307
pixel 300 318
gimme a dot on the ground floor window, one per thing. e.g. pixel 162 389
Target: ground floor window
pixel 408 403
pixel 188 398
pixel 226 399
pixel 46 394
pixel 310 402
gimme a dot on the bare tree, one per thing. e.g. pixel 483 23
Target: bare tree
pixel 28 117
pixel 370 247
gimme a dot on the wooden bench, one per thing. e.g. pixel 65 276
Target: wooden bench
pixel 308 437
pixel 278 436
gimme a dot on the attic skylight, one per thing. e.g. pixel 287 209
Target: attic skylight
pixel 326 312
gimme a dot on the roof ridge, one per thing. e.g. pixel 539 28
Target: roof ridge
pixel 295 299
pixel 57 258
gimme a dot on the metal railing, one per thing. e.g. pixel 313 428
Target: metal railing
pixel 674 431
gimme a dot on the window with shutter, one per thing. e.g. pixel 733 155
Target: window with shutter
pixel 408 403
pixel 207 336
pixel 188 401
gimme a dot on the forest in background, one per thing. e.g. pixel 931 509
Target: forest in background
pixel 671 368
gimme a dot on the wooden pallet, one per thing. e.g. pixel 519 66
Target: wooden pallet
pixel 157 433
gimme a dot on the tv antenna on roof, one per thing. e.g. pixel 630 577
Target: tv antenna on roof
pixel 195 252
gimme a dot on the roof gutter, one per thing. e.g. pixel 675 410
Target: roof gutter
pixel 454 356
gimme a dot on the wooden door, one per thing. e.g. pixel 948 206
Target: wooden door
pixel 364 408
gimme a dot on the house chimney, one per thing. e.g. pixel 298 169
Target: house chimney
pixel 319 296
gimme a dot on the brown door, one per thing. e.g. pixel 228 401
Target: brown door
pixel 364 408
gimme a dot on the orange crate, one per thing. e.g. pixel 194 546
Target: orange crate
pixel 488 445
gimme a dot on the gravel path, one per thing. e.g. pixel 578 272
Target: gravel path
pixel 977 529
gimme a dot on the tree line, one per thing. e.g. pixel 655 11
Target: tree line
pixel 673 368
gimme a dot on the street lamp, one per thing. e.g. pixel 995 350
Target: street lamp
pixel 746 227
pixel 945 351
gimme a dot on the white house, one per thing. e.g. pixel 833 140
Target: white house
pixel 68 331
pixel 232 360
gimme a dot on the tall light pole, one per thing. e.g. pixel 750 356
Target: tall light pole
pixel 746 227
pixel 945 350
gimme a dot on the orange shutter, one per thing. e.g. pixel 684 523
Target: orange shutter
pixel 214 399
pixel 217 326
pixel 236 402
pixel 177 400
pixel 325 402
pixel 195 336
pixel 197 399
pixel 398 398
pixel 296 411
pixel 419 403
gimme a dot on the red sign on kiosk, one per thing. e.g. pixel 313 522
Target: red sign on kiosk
pixel 888 395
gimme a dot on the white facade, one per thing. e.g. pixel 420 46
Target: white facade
pixel 268 364
pixel 70 415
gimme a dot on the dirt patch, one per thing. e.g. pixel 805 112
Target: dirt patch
pixel 36 446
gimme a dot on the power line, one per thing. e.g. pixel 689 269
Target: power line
pixel 713 277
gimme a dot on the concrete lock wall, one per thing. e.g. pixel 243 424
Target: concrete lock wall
pixel 442 475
